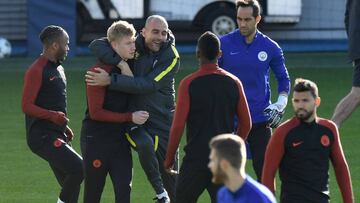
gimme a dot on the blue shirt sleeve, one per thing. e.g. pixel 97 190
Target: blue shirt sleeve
pixel 277 65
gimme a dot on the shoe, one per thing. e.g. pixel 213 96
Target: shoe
pixel 162 200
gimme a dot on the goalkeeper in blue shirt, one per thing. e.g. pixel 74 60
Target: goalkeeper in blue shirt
pixel 249 54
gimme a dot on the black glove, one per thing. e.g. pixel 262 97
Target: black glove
pixel 275 117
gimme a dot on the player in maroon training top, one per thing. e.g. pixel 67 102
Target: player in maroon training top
pixel 44 105
pixel 103 143
pixel 301 149
pixel 207 102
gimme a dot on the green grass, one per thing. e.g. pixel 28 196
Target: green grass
pixel 27 178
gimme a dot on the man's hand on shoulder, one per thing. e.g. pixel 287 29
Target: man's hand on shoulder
pixel 98 78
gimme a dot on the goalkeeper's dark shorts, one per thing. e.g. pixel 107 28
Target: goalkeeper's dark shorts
pixel 258 140
pixel 356 74
pixel 66 164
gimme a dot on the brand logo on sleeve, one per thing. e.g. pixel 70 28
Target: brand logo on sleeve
pixel 52 78
pixel 262 56
pixel 234 52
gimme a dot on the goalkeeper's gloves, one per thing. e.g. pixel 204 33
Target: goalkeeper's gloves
pixel 275 111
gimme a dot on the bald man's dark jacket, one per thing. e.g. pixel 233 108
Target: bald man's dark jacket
pixel 153 81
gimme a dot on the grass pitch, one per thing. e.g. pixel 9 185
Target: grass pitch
pixel 27 178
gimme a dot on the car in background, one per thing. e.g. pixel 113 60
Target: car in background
pixel 184 16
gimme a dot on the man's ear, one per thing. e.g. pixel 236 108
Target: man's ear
pixel 55 46
pixel 219 54
pixel 143 32
pixel 258 19
pixel 317 101
pixel 198 54
pixel 113 45
pixel 224 164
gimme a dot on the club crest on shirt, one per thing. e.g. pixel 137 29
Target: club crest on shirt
pixel 325 141
pixel 262 56
pixel 97 163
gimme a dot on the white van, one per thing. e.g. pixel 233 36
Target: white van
pixel 219 16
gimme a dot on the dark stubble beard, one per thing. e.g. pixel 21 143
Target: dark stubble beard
pixel 305 115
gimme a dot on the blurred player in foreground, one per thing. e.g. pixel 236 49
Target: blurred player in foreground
pixel 227 164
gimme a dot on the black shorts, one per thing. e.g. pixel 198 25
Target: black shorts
pixel 194 178
pixel 102 158
pixel 356 74
pixel 66 164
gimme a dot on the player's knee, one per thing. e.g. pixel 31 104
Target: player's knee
pixel 355 94
pixel 145 145
pixel 75 178
pixel 78 172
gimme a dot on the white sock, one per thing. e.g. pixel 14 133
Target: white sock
pixel 59 201
pixel 163 194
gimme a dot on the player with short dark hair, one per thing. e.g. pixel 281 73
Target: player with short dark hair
pixel 250 55
pixel 301 148
pixel 44 105
pixel 103 144
pixel 208 101
pixel 227 164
